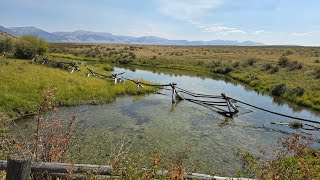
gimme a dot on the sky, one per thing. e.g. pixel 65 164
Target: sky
pixel 277 22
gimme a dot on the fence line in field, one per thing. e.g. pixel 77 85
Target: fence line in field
pixel 224 100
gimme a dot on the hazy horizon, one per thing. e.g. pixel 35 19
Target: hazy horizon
pixel 273 22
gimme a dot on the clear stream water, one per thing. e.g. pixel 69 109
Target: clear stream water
pixel 151 122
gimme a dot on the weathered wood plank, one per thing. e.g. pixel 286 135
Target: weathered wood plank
pixel 102 170
pixel 64 167
pixel 18 166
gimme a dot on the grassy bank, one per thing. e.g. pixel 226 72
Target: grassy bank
pixel 292 73
pixel 22 84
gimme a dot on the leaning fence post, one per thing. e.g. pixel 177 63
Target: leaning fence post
pixel 173 92
pixel 178 94
pixel 230 105
pixel 138 85
pixel 19 166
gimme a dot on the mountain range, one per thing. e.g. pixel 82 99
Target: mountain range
pixel 102 37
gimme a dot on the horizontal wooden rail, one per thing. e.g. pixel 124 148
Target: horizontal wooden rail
pixel 63 167
pixel 55 168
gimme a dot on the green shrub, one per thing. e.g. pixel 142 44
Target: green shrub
pixel 295 65
pixel 283 61
pixel 58 65
pixel 266 67
pixel 6 45
pixel 222 70
pixel 298 91
pixel 216 63
pixel 270 68
pixel 273 70
pixel 251 61
pixel 235 64
pixel 278 90
pixel 317 61
pixel 24 50
pixel 28 47
pixel 200 62
pixel 125 61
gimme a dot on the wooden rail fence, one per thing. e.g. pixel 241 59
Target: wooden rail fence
pixel 20 167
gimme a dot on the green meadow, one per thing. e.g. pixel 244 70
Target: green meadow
pixel 23 82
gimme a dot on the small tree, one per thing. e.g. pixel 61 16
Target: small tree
pixel 23 50
pixel 30 46
pixel 52 139
pixel 6 45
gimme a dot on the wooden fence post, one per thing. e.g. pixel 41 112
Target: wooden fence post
pixel 230 105
pixel 19 166
pixel 173 92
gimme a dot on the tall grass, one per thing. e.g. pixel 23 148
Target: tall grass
pixel 22 83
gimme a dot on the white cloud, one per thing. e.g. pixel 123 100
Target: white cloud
pixel 192 10
pixel 258 32
pixel 187 10
pixel 238 31
pixel 300 34
pixel 221 29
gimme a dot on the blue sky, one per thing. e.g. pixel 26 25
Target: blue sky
pixel 267 21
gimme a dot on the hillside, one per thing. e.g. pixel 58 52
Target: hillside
pixel 4 34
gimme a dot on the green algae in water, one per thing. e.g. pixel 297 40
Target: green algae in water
pixel 170 131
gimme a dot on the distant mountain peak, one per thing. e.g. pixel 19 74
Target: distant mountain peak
pixel 6 30
pixel 82 36
pixel 30 28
